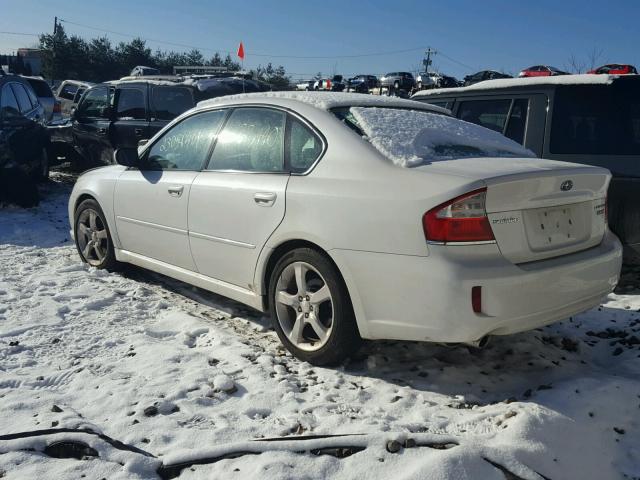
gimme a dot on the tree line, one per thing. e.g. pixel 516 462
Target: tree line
pixel 98 60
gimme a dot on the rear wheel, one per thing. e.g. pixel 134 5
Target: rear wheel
pixel 93 238
pixel 310 308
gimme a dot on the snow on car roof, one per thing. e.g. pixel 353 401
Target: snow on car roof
pixel 326 100
pixel 584 79
pixel 411 138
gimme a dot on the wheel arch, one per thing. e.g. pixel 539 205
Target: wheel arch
pixel 264 273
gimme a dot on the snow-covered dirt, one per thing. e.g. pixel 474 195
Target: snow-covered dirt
pixel 193 384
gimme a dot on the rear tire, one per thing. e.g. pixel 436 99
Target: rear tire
pixel 92 236
pixel 310 308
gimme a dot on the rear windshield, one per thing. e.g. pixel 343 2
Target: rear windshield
pixel 40 87
pixel 411 138
pixel 597 119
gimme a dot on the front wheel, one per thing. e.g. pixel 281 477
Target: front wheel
pixel 310 308
pixel 93 239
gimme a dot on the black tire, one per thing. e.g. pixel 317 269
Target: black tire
pixel 40 172
pixel 108 262
pixel 344 339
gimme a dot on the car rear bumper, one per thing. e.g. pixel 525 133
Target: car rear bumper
pixel 429 298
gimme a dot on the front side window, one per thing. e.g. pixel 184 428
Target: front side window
pixel 252 140
pixel 186 145
pixel 23 98
pixel 304 146
pixel 131 104
pixel 94 103
pixel 8 103
pixel 488 113
pixel 169 102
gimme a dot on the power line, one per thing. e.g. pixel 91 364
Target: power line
pixel 268 55
pixel 456 61
pixel 21 33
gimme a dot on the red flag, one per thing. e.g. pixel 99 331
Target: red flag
pixel 241 51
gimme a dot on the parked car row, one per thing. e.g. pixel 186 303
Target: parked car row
pixel 573 118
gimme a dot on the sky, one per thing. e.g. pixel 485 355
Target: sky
pixel 352 37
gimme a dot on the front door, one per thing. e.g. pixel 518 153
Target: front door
pixel 238 202
pixel 91 127
pixel 151 202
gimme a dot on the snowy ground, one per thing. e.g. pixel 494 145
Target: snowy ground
pixel 146 360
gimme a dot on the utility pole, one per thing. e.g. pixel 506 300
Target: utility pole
pixel 427 61
pixel 55 25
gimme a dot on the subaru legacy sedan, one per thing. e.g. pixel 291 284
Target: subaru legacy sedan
pixel 349 217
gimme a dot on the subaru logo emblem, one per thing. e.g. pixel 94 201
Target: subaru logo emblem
pixel 566 185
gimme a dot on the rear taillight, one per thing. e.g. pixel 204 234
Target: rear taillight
pixel 56 107
pixel 463 219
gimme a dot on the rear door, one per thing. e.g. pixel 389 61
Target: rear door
pixel 131 119
pixel 238 202
pixel 91 127
pixel 151 202
pixel 166 103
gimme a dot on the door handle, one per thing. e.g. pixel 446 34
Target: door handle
pixel 138 132
pixel 102 131
pixel 176 190
pixel 264 199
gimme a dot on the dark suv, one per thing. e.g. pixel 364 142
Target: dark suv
pixel 122 113
pixel 573 118
pixel 398 81
pixel 24 140
pixel 362 83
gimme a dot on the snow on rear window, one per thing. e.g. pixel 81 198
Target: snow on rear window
pixel 412 137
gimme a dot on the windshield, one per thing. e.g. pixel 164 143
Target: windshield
pixel 597 119
pixel 411 138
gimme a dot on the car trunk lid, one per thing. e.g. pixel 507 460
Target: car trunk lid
pixel 539 215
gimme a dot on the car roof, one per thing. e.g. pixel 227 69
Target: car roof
pixel 319 100
pixel 583 79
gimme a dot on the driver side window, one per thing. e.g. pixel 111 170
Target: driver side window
pixel 94 103
pixel 186 145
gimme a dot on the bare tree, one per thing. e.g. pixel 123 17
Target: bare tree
pixel 575 65
pixel 591 60
pixel 594 57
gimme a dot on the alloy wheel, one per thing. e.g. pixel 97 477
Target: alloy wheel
pixel 93 239
pixel 304 306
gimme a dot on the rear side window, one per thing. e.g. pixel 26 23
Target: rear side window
pixel 24 102
pixel 304 146
pixel 94 103
pixel 131 104
pixel 8 103
pixel 488 113
pixel 40 87
pixel 68 91
pixel 186 145
pixel 169 102
pixel 597 119
pixel 251 140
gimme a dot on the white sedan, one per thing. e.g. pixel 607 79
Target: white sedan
pixel 352 216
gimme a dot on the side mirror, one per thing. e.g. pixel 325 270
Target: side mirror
pixel 127 157
pixel 143 142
